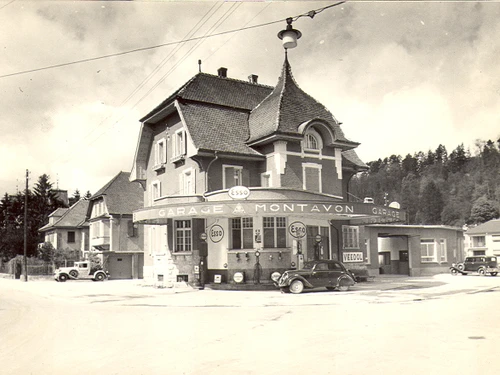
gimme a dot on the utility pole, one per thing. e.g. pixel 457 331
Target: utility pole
pixel 26 228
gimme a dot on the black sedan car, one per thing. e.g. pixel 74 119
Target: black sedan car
pixel 329 274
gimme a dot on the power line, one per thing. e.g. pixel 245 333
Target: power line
pixel 310 14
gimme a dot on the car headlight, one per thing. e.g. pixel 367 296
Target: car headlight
pixel 275 276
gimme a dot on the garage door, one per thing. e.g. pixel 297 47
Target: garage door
pixel 120 266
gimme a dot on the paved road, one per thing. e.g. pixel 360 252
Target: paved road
pixel 441 325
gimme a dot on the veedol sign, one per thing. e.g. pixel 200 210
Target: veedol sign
pixel 245 208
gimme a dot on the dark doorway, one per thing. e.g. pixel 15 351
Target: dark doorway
pixel 404 265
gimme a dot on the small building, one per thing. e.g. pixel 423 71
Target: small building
pixel 414 250
pixel 67 230
pixel 242 179
pixel 484 239
pixel 113 235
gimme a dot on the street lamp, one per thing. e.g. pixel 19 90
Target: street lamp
pixel 289 36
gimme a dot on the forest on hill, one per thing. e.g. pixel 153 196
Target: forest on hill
pixel 436 187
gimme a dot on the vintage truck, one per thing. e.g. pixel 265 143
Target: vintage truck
pixel 81 270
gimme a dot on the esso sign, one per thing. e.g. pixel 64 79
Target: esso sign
pixel 297 229
pixel 216 233
pixel 239 192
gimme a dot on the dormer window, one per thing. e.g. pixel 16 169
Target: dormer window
pixel 312 141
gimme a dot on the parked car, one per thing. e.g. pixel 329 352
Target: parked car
pixel 481 264
pixel 329 274
pixel 81 270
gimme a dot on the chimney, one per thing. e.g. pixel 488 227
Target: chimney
pixel 222 72
pixel 252 78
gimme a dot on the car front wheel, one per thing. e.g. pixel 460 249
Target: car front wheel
pixel 296 286
pixel 73 273
pixel 99 277
pixel 63 278
pixel 493 273
pixel 481 271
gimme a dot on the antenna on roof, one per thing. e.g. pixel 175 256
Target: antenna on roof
pixel 199 66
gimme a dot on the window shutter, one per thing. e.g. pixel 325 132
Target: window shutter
pixel 246 177
pixel 312 179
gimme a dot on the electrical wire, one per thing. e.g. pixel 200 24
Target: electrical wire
pixel 310 14
pixel 193 30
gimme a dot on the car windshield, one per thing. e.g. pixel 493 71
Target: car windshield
pixel 308 265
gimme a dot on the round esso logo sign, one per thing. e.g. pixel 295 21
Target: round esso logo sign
pixel 216 233
pixel 239 192
pixel 297 229
pixel 238 277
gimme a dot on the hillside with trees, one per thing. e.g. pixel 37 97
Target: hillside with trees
pixel 435 187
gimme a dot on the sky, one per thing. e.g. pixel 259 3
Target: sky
pixel 402 77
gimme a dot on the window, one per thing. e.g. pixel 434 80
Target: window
pixel 232 176
pixel 242 233
pixel 427 251
pixel 350 236
pixel 98 208
pixel 182 236
pixel 442 250
pixel 71 237
pixel 187 182
pixel 274 231
pixel 179 144
pixel 312 141
pixel 155 190
pixel 478 241
pixel 131 229
pixel 160 153
pixel 311 177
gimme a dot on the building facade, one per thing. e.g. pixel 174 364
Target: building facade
pixel 113 235
pixel 413 250
pixel 241 180
pixel 67 230
pixel 484 239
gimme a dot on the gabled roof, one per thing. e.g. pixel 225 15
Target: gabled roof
pixel 121 196
pixel 212 89
pixel 215 128
pixel 73 217
pixel 490 227
pixel 286 108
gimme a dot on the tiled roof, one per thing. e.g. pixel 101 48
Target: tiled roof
pixel 286 108
pixel 490 227
pixel 208 88
pixel 352 157
pixel 121 195
pixel 58 212
pixel 217 128
pixel 73 217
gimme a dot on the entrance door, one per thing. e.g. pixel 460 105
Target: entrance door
pixel 318 250
pixel 404 265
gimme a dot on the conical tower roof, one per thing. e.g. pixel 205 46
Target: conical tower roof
pixel 286 108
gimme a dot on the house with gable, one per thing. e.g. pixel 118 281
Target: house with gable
pixel 67 230
pixel 483 239
pixel 241 180
pixel 113 235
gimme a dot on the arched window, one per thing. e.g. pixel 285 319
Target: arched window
pixel 312 141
